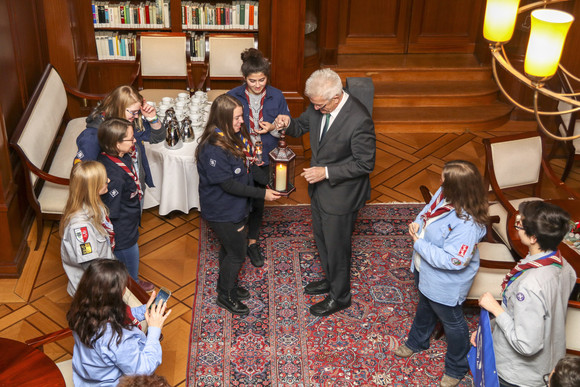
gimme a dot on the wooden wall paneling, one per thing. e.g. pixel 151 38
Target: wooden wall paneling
pixel 373 26
pixel 328 31
pixel 60 40
pixel 264 27
pixel 570 57
pixel 444 26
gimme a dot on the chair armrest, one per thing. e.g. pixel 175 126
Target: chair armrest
pixel 49 338
pixel 496 264
pixel 80 94
pixel 556 180
pixel 488 227
pixel 137 291
pixel 425 193
pixel 39 172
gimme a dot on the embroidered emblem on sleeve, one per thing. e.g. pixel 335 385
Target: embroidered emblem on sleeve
pixel 237 171
pixel 113 193
pixel 86 248
pixel 520 296
pixel 455 261
pixel 463 250
pixel 212 162
pixel 82 234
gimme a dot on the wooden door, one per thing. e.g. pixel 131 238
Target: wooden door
pixel 408 26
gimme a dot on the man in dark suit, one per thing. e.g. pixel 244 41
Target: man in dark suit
pixel 342 139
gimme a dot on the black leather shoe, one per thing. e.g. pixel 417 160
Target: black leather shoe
pixel 317 287
pixel 255 256
pixel 232 305
pixel 327 307
pixel 242 293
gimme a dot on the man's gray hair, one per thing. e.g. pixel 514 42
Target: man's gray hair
pixel 323 83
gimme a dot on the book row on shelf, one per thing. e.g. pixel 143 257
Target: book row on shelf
pixel 123 46
pixel 234 15
pixel 147 14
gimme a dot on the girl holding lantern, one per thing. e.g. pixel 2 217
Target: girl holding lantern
pixel 226 187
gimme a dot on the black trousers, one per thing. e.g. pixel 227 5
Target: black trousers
pixel 232 254
pixel 333 234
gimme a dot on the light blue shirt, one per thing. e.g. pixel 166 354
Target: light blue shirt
pixel 449 256
pixel 104 364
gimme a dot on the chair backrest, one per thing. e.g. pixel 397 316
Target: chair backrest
pixel 223 55
pixel 163 55
pixel 572 331
pixel 514 161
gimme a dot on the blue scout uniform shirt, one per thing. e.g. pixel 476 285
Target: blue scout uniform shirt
pixel 274 104
pixel 449 256
pixel 104 364
pixel 122 199
pixel 215 166
pixel 88 145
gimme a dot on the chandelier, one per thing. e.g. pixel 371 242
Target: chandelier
pixel 549 28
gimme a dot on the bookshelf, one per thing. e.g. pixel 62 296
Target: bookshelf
pixel 116 23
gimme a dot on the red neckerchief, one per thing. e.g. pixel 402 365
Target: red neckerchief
pixel 108 226
pixel 131 172
pixel 432 213
pixel 261 115
pixel 554 258
pixel 132 319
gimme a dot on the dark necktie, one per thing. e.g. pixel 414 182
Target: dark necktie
pixel 326 123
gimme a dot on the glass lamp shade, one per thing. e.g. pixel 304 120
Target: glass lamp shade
pixel 547 37
pixel 500 19
pixel 282 164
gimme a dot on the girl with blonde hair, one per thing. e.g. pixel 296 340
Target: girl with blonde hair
pixel 85 228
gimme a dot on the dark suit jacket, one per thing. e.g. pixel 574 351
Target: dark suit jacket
pixel 347 149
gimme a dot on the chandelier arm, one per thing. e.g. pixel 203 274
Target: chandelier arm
pixel 530 84
pixel 569 74
pixel 504 92
pixel 544 129
pixel 538 4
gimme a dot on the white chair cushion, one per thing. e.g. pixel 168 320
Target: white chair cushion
pixel 53 197
pixel 497 209
pixel 495 252
pixel 66 369
pixel 572 331
pixel 163 56
pixel 133 302
pixel 224 55
pixel 486 279
pixel 517 162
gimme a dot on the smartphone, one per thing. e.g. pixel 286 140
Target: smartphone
pixel 163 296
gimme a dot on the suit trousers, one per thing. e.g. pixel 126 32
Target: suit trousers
pixel 333 234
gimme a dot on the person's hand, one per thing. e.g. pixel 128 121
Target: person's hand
pixel 473 337
pixel 314 174
pixel 271 195
pixel 487 302
pixel 265 127
pixel 281 122
pixel 147 110
pixel 413 230
pixel 155 314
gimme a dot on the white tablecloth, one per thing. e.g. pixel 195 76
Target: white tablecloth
pixel 174 173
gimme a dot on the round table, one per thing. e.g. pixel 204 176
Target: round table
pixel 22 365
pixel 174 173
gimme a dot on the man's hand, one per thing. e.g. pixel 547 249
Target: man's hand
pixel 487 302
pixel 314 174
pixel 281 122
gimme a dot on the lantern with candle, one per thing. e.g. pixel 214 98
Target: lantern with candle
pixel 282 164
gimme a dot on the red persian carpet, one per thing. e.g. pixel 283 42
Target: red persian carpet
pixel 281 344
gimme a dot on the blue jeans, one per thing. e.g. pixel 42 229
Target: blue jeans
pixel 456 332
pixel 130 257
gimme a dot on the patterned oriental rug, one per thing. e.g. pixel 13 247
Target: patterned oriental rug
pixel 281 344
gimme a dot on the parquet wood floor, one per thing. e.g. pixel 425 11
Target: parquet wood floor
pixel 37 303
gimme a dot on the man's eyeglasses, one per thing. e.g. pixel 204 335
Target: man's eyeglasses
pixel 318 106
pixel 547 379
pixel 133 112
pixel 519 225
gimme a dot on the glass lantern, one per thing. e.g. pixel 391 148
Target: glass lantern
pixel 282 164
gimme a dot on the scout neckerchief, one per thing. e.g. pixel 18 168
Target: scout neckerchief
pixel 108 226
pixel 553 258
pixel 261 115
pixel 131 172
pixel 432 213
pixel 247 146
